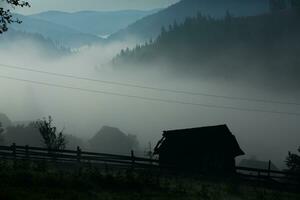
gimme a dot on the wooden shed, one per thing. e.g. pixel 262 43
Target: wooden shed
pixel 206 149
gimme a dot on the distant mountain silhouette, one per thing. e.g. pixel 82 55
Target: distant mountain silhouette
pixel 150 26
pixel 94 22
pixel 112 140
pixel 60 34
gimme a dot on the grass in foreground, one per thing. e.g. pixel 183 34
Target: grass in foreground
pixel 40 181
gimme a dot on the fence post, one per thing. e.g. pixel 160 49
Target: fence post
pixel 14 152
pixel 132 158
pixel 78 154
pixel 53 154
pixel 13 148
pixel 27 151
pixel 269 169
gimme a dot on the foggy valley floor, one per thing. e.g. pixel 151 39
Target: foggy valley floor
pixel 40 181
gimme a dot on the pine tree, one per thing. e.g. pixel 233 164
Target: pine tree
pixel 295 4
pixel 293 161
pixel 228 16
pixel 277 5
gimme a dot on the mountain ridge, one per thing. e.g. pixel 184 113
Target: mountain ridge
pixel 149 27
pixel 94 22
pixel 64 35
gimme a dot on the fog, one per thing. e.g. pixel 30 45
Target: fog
pixel 268 136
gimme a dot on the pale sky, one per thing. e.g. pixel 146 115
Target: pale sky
pixel 76 5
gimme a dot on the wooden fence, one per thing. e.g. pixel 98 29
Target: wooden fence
pixel 284 177
pixel 78 156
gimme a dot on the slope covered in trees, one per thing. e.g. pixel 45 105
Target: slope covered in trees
pixel 224 47
pixel 149 27
pixel 46 46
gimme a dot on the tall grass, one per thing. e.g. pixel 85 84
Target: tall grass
pixel 40 180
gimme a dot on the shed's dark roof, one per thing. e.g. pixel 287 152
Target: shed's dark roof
pixel 216 138
pixel 203 130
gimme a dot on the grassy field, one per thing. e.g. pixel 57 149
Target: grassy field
pixel 41 181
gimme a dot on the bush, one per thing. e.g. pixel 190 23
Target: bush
pixel 52 139
pixel 293 162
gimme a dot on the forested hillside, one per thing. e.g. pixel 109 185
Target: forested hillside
pixel 228 47
pixel 149 27
pixel 46 46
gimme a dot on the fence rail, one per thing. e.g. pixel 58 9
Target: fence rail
pixel 78 156
pixel 74 156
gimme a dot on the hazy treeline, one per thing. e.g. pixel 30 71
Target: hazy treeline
pixel 277 5
pixel 107 140
pixel 264 45
pixel 47 46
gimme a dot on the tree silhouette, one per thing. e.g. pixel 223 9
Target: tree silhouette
pixel 277 5
pixel 293 162
pixel 51 138
pixel 295 4
pixel 6 15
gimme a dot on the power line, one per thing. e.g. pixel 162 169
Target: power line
pixel 151 88
pixel 149 98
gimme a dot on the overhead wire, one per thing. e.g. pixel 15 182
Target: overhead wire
pixel 149 98
pixel 150 87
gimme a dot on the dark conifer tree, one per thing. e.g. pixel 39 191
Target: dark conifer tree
pixel 293 162
pixel 295 4
pixel 277 5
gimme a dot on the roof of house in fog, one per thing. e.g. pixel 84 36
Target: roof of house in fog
pixel 113 140
pixel 204 139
